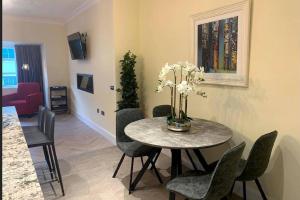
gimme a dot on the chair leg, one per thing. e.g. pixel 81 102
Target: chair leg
pixel 57 168
pixel 52 161
pixel 142 171
pixel 244 190
pixel 156 173
pixel 119 165
pixel 260 190
pixel 172 196
pixel 142 160
pixel 202 160
pixel 190 158
pixel 231 190
pixel 179 163
pixel 46 155
pixel 155 159
pixel 131 172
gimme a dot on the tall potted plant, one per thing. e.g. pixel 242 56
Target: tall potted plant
pixel 128 83
pixel 186 78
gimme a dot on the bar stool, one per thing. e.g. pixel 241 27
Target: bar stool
pixel 40 127
pixel 45 138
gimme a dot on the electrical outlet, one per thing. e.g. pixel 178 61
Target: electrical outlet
pixel 98 110
pixel 102 112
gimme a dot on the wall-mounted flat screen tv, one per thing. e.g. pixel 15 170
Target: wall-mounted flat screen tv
pixel 77 46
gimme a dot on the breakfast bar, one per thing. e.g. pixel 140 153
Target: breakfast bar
pixel 19 176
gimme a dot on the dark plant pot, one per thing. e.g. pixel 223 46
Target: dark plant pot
pixel 179 125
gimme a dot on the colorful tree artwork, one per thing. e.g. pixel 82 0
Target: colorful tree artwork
pixel 217 46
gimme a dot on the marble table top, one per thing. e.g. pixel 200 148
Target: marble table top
pixel 154 132
pixel 19 177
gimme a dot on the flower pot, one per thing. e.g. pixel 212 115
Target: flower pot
pixel 179 126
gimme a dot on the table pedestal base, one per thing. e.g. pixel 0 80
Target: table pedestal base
pixel 176 168
pixel 143 170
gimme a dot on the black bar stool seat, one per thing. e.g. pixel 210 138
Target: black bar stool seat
pixel 35 139
pixel 31 129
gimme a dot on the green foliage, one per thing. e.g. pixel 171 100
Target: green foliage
pixel 184 118
pixel 128 83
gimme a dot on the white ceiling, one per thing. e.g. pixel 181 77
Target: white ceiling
pixel 55 10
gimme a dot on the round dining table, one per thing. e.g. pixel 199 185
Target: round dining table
pixel 154 132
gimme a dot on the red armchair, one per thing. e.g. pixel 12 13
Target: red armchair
pixel 27 99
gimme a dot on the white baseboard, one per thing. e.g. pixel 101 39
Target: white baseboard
pixel 102 131
pixel 252 193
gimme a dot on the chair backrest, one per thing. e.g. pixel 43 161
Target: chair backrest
pixel 41 118
pixel 259 156
pixel 25 89
pixel 49 124
pixel 224 174
pixel 123 118
pixel 161 111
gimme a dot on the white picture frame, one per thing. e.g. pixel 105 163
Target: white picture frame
pixel 239 75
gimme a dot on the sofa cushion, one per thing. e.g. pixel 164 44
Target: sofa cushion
pixel 27 99
pixel 25 89
pixel 17 102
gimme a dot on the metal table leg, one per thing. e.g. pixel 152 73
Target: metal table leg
pixel 176 168
pixel 143 170
pixel 202 160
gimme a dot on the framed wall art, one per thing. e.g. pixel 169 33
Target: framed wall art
pixel 221 44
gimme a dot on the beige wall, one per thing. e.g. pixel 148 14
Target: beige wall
pixel 52 37
pixel 270 102
pixel 126 35
pixel 97 22
pixel 158 32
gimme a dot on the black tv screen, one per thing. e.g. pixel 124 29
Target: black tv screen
pixel 85 82
pixel 77 46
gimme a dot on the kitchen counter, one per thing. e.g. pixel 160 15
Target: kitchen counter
pixel 19 177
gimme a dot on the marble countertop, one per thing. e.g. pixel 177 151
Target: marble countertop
pixel 154 132
pixel 19 177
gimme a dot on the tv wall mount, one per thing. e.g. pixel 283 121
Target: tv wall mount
pixel 83 37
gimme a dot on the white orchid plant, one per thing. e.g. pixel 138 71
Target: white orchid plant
pixel 186 78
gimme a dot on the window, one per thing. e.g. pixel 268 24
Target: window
pixel 9 68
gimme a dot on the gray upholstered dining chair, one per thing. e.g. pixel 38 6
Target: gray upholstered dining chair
pixel 129 147
pixel 257 162
pixel 45 138
pixel 161 111
pixel 210 186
